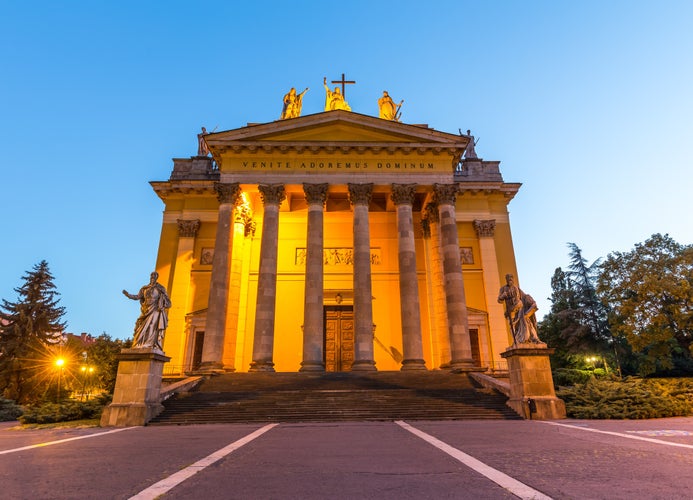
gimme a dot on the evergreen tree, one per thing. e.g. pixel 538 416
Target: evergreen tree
pixel 28 326
pixel 577 322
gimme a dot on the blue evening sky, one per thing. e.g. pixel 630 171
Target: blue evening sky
pixel 589 104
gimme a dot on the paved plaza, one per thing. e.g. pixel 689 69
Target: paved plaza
pixel 381 460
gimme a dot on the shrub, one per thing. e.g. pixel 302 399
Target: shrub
pixel 632 398
pixel 571 376
pixel 9 410
pixel 48 413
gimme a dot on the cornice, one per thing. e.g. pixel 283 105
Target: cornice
pixel 335 147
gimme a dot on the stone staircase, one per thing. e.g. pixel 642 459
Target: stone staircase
pixel 334 397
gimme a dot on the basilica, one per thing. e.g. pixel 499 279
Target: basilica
pixel 335 241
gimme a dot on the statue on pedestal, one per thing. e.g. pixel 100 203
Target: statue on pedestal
pixel 334 100
pixel 202 149
pixel 470 151
pixel 520 310
pixel 150 326
pixel 293 103
pixel 387 109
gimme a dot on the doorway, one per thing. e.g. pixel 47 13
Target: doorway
pixel 197 350
pixel 339 338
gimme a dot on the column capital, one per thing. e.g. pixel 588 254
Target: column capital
pixel 403 194
pixel 485 228
pixel 272 194
pixel 227 193
pixel 316 194
pixel 188 228
pixel 360 194
pixel 445 194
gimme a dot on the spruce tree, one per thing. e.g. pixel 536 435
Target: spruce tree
pixel 27 327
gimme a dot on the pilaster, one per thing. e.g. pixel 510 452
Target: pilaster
pixel 174 341
pixel 485 231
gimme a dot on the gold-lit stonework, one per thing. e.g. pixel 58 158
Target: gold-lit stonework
pixel 355 192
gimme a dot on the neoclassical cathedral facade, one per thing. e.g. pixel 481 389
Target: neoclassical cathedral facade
pixel 335 241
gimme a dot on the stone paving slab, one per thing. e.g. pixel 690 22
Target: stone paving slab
pixel 354 460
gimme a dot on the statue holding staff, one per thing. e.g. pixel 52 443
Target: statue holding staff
pixel 293 103
pixel 519 309
pixel 387 109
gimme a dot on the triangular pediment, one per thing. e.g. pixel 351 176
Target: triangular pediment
pixel 336 127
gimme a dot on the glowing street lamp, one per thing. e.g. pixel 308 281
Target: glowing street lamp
pixel 87 371
pixel 60 362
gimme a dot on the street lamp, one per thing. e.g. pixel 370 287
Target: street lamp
pixel 60 362
pixel 87 371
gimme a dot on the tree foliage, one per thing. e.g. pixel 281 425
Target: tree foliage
pixel 650 292
pixel 27 327
pixel 577 323
pixel 103 354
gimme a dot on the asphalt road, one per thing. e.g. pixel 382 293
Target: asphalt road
pixel 379 460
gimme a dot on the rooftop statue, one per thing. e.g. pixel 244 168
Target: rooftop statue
pixel 150 326
pixel 470 152
pixel 293 104
pixel 519 309
pixel 387 109
pixel 334 99
pixel 202 149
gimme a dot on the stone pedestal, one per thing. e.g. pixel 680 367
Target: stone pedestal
pixel 138 384
pixel 531 384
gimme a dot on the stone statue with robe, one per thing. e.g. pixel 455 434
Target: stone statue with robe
pixel 153 320
pixel 334 99
pixel 387 109
pixel 293 103
pixel 520 310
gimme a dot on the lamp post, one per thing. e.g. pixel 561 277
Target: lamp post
pixel 87 371
pixel 60 362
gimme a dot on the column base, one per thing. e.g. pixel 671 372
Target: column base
pixel 312 366
pixel 363 366
pixel 210 367
pixel 261 366
pixel 413 364
pixel 464 365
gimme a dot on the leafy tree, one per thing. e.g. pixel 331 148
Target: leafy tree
pixel 28 327
pixel 650 291
pixel 103 355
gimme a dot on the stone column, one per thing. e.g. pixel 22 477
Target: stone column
pixel 215 327
pixel 500 336
pixel 263 340
pixel 439 296
pixel 360 197
pixel 403 197
pixel 458 323
pixel 174 341
pixel 316 194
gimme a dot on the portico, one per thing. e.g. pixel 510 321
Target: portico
pixel 336 212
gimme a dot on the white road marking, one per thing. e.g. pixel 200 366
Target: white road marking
pixel 503 480
pixel 628 436
pixel 166 484
pixel 50 443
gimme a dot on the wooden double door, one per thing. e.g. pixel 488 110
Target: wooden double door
pixel 339 338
